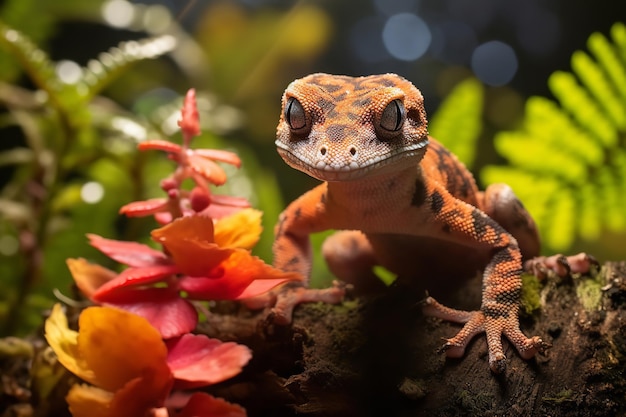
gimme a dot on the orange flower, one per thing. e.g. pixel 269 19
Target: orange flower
pixel 119 354
pixel 204 260
pixel 131 370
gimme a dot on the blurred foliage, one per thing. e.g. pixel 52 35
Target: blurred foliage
pixel 43 213
pixel 458 122
pixel 567 161
pixel 255 55
pixel 61 136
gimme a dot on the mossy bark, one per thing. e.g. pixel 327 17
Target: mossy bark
pixel 379 356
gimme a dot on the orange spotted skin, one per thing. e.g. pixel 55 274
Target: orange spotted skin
pixel 387 186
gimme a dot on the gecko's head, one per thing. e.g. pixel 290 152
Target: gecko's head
pixel 338 128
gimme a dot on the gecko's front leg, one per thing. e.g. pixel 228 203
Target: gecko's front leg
pixel 292 253
pixel 502 284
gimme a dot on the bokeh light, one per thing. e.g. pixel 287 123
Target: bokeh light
pixel 68 72
pixel 118 13
pixel 91 192
pixel 494 63
pixel 157 19
pixel 406 36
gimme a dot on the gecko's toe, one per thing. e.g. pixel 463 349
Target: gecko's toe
pixel 451 349
pixel 497 364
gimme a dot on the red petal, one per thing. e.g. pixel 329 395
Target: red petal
pixel 131 277
pixel 225 205
pixel 203 405
pixel 217 212
pixel 144 208
pixel 196 360
pixel 163 218
pixel 189 241
pixel 139 396
pixel 170 314
pixel 206 168
pixel 160 145
pixel 189 121
pixel 236 274
pixel 219 155
pixel 228 200
pixel 129 253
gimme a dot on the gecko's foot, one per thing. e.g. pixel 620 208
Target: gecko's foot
pixel 283 300
pixel 493 324
pixel 288 298
pixel 560 265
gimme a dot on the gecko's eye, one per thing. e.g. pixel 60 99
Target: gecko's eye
pixel 393 116
pixel 294 114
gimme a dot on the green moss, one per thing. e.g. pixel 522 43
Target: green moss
pixel 589 292
pixel 531 289
pixel 323 309
pixel 561 397
pixel 476 403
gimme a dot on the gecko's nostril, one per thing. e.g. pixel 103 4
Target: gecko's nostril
pixel 323 150
pixel 353 151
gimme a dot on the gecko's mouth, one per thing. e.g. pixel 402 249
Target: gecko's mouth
pixel 350 170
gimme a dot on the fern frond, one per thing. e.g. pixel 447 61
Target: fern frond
pixel 33 60
pixel 100 72
pixel 71 99
pixel 458 122
pixel 568 160
pixel 608 58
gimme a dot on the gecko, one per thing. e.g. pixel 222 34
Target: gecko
pixel 387 188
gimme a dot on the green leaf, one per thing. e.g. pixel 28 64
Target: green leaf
pixel 458 121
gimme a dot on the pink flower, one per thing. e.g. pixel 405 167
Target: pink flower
pixel 199 165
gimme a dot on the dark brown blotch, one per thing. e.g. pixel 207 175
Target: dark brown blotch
pixel 293 261
pixel 331 88
pixel 480 223
pixel 363 102
pixel 436 202
pixel 509 297
pixel 419 195
pixel 280 226
pixel 387 82
pixel 352 116
pixel 325 105
pixel 494 313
